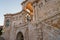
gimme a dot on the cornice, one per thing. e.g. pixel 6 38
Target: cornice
pixel 24 2
pixel 14 13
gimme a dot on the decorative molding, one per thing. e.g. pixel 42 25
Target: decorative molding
pixel 24 2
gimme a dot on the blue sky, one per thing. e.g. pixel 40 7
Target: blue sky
pixel 9 6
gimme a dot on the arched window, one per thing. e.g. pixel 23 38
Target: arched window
pixel 7 23
pixel 28 17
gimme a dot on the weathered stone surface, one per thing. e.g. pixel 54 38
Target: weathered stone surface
pixel 44 25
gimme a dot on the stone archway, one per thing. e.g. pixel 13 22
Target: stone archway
pixel 19 36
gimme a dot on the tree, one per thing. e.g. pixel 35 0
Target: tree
pixel 0 31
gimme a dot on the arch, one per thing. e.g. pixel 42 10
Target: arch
pixel 19 36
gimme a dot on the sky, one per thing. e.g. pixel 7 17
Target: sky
pixel 9 6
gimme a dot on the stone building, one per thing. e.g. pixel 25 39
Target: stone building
pixel 38 20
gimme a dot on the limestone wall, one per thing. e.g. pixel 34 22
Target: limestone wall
pixel 44 10
pixel 45 26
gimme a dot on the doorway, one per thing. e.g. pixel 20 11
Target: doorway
pixel 19 36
